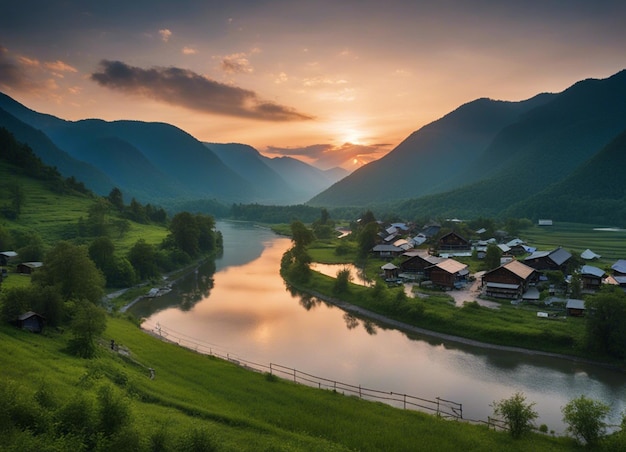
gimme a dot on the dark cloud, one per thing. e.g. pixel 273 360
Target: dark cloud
pixel 11 74
pixel 185 88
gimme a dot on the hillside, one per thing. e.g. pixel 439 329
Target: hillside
pixel 201 402
pixel 543 146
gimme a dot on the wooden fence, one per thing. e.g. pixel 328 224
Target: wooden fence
pixel 440 407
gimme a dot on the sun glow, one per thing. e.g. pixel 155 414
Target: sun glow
pixel 352 136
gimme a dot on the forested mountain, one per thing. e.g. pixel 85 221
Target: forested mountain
pixel 159 163
pixel 542 146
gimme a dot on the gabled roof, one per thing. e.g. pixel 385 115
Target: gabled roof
pixel 8 254
pixel 32 264
pixel 451 266
pixel 574 303
pixel 504 248
pixel 519 269
pixel 593 271
pixel 537 255
pixel 389 248
pixel 388 266
pixel 515 242
pixel 619 266
pixel 588 255
pixel 560 256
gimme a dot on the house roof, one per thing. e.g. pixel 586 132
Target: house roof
pixel 619 266
pixel 537 255
pixel 588 255
pixel 389 266
pixel 560 256
pixel 515 242
pixel 591 270
pixel 8 254
pixel 32 264
pixel 519 269
pixel 28 315
pixel 574 303
pixel 451 266
pixel 504 248
pixel 389 248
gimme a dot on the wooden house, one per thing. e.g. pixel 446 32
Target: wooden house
pixel 385 250
pixel 549 260
pixel 28 268
pixel 511 280
pixel 6 256
pixel 449 274
pixel 591 278
pixel 619 268
pixel 390 271
pixel 453 242
pixel 31 321
pixel 575 307
pixel 417 262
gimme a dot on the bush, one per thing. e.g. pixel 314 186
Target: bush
pixel 586 419
pixel 517 414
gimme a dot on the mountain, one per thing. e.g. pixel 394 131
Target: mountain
pixel 50 154
pixel 593 193
pixel 431 159
pixel 280 180
pixel 159 163
pixel 522 154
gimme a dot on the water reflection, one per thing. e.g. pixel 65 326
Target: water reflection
pixel 244 306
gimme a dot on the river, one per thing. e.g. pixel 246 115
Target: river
pixel 240 306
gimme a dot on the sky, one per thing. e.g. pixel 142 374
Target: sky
pixel 333 83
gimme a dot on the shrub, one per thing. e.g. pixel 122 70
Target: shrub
pixel 517 414
pixel 586 419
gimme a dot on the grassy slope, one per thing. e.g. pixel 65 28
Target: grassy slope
pixel 241 410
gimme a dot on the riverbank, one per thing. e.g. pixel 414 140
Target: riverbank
pixel 408 328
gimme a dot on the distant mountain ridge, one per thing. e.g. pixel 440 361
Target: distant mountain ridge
pixel 487 157
pixel 159 163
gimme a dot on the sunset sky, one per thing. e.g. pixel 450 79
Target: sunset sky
pixel 334 83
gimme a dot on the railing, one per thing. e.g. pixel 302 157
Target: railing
pixel 440 407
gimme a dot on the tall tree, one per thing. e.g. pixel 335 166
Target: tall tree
pixel 606 329
pixel 69 268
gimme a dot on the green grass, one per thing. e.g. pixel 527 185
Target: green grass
pixel 611 245
pixel 238 409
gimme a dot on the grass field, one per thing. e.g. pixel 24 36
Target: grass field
pixel 202 400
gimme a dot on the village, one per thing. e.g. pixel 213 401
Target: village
pixel 524 275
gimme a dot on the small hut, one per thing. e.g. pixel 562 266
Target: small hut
pixel 31 321
pixel 391 271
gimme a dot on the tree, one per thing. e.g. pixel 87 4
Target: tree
pixel 102 252
pixel 517 414
pixel 492 256
pixel 116 199
pixel 69 268
pixel 142 256
pixel 344 277
pixel 88 322
pixel 301 236
pixel 185 232
pixel 586 419
pixel 366 239
pixel 606 330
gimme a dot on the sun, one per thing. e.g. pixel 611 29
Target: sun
pixel 352 136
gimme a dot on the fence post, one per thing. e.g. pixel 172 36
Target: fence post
pixel 404 401
pixel 294 376
pixel 270 368
pixel 437 406
pixel 360 391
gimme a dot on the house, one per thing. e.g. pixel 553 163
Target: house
pixel 385 250
pixel 403 243
pixel 449 274
pixel 591 278
pixel 589 255
pixel 31 321
pixel 417 262
pixel 453 242
pixel 6 256
pixel 511 280
pixel 418 239
pixel 28 268
pixel 549 260
pixel 619 268
pixel 390 271
pixel 575 307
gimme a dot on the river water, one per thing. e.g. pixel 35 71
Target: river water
pixel 240 306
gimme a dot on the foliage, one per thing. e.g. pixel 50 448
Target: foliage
pixel 88 322
pixel 367 238
pixel 342 281
pixel 142 256
pixel 517 414
pixel 69 269
pixel 492 257
pixel 606 330
pixel 586 419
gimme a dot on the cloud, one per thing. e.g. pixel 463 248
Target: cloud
pixel 237 63
pixel 165 34
pixel 189 51
pixel 60 66
pixel 187 89
pixel 326 156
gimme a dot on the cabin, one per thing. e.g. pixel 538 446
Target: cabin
pixel 589 255
pixel 511 280
pixel 390 271
pixel 448 274
pixel 549 260
pixel 385 250
pixel 417 262
pixel 591 278
pixel 575 307
pixel 6 256
pixel 28 268
pixel 453 242
pixel 31 321
pixel 619 268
